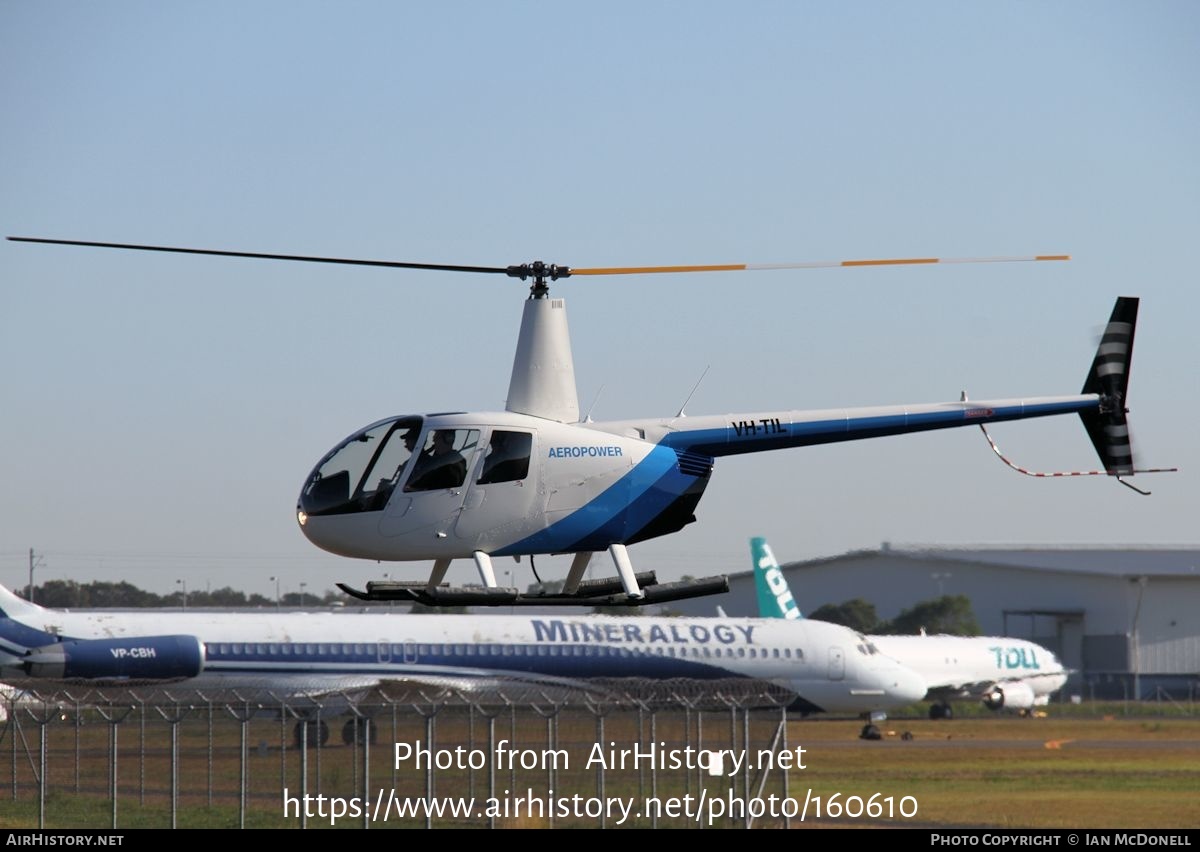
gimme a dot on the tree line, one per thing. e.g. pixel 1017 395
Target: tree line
pixel 65 594
pixel 949 614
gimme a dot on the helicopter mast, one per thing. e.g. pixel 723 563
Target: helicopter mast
pixel 543 373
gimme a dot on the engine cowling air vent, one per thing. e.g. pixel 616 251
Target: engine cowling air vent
pixel 694 464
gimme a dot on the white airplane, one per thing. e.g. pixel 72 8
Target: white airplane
pixel 538 479
pixel 823 667
pixel 998 670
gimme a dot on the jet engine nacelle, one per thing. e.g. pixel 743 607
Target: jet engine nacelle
pixel 140 658
pixel 1017 695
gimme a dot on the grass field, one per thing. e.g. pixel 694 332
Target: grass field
pixel 1112 772
pixel 1078 768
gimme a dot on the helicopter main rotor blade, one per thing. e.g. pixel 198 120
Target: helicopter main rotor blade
pixel 503 270
pixel 820 264
pixel 539 271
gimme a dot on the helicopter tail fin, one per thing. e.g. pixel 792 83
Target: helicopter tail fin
pixel 1108 426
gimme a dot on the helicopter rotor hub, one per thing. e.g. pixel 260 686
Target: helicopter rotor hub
pixel 539 271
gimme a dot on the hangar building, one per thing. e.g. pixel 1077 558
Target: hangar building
pixel 1127 620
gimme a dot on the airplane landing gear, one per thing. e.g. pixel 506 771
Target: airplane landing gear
pixel 941 711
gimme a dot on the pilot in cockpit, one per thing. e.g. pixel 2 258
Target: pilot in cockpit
pixel 439 466
pixel 383 491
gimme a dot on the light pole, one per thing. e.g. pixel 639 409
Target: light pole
pixel 276 579
pixel 302 585
pixel 183 584
pixel 33 563
pixel 941 577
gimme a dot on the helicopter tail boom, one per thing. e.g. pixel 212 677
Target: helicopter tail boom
pixel 1101 406
pixel 736 434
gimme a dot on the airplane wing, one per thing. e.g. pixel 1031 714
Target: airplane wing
pixel 959 690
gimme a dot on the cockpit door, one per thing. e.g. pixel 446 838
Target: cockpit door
pixel 837 663
pixel 504 486
pixel 433 489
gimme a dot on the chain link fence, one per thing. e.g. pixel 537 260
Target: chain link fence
pixel 620 753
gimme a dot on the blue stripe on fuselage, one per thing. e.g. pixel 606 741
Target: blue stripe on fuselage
pixel 616 515
pixel 15 636
pixel 569 661
pixel 725 441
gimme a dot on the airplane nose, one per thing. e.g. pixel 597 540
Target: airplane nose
pixel 908 687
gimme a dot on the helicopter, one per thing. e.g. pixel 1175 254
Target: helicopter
pixel 536 479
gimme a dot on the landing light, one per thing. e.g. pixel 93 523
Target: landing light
pixel 302 516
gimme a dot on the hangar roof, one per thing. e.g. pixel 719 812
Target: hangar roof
pixel 1179 562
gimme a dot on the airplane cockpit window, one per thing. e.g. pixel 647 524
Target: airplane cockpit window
pixel 361 472
pixel 865 646
pixel 443 462
pixel 507 457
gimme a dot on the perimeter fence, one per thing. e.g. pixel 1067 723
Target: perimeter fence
pixel 624 753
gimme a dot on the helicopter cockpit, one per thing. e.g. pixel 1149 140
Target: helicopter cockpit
pixel 360 474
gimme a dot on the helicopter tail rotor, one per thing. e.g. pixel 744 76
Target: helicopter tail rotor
pixel 1108 424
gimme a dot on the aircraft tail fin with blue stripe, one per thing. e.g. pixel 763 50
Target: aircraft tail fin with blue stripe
pixel 12 606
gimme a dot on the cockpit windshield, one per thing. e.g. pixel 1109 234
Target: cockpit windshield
pixel 865 646
pixel 360 473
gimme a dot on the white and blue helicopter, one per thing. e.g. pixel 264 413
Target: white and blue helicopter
pixel 536 479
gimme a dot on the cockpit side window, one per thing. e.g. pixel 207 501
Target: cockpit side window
pixel 507 457
pixel 387 466
pixel 443 461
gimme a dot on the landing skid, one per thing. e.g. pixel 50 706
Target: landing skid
pixel 606 592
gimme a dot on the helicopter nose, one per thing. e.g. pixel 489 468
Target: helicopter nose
pixel 325 532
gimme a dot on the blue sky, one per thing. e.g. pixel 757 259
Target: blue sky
pixel 161 412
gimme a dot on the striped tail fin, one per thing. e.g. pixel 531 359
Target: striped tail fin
pixel 1109 378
